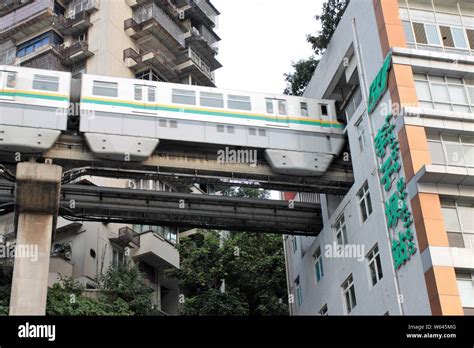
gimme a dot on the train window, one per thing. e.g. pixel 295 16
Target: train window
pixel 324 109
pixel 304 109
pixel 262 132
pixel 252 131
pixel 46 83
pixel 173 124
pixel 282 107
pixel 215 100
pixel 105 89
pixel 231 129
pixel 183 96
pixel 269 103
pixel 239 102
pixel 138 93
pixel 151 94
pixel 162 122
pixel 11 80
pixel 220 128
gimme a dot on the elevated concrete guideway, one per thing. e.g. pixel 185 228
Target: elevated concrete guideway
pixel 190 165
pixel 91 203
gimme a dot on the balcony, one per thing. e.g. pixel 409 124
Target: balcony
pixel 7 6
pixel 27 20
pixel 205 43
pixel 151 20
pixel 90 6
pixel 200 10
pixel 155 251
pixel 74 25
pixel 192 63
pixel 137 62
pixel 127 238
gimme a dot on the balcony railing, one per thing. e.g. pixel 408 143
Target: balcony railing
pixel 151 11
pixel 75 52
pixel 20 18
pixel 10 5
pixel 150 58
pixel 206 8
pixel 73 25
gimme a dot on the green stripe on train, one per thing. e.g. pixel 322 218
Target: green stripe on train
pixel 31 95
pixel 209 113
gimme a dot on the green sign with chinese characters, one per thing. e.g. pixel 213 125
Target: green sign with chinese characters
pixel 387 150
pixel 379 85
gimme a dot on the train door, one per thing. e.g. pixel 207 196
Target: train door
pixel 146 98
pixel 278 108
pixel 8 84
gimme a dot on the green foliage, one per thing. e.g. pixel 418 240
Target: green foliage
pixel 6 273
pixel 304 69
pixel 330 18
pixel 124 288
pixel 251 265
pixel 300 77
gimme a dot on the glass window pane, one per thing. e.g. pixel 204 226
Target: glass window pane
pixel 468 154
pixel 304 109
pixel 269 104
pixel 46 83
pixel 440 92
pixel 466 214
pixel 457 94
pixel 454 154
pixel 282 107
pixel 436 152
pixel 432 34
pixel 458 36
pixel 239 102
pixel 408 33
pixel 451 221
pixel 106 89
pixel 183 96
pixel 212 99
pixel 423 90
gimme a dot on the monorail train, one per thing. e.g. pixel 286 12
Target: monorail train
pixel 124 119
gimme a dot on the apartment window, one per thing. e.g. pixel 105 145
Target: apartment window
pixel 451 149
pixel 465 281
pixel 365 203
pixel 408 31
pixel 318 264
pixel 375 265
pixel 168 233
pixel 118 257
pixel 341 233
pixel 299 293
pixel 324 310
pixel 80 5
pixel 35 44
pixel 304 109
pixel 238 102
pixel 46 83
pixel 470 37
pixel 445 93
pixel 184 96
pixel 148 75
pixel 459 222
pixel 215 100
pixel 105 89
pixel 361 134
pixel 294 242
pixel 453 37
pixel 348 294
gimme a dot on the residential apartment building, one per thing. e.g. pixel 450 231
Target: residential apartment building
pixel 401 241
pixel 160 40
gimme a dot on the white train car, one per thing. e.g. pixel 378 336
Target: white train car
pixel 124 119
pixel 34 106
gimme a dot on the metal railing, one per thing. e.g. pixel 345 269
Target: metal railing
pixel 23 14
pixel 206 8
pixel 150 11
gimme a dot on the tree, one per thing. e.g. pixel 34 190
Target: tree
pixel 299 79
pixel 303 69
pixel 330 18
pixel 250 265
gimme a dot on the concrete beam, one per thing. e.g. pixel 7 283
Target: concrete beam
pixel 36 205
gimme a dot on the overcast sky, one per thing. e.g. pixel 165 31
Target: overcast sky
pixel 260 39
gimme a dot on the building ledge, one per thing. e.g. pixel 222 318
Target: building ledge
pixel 156 251
pixel 445 174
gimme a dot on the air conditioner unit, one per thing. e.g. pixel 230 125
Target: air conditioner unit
pixel 131 185
pixel 71 14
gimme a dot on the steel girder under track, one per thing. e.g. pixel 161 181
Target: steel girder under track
pixel 91 203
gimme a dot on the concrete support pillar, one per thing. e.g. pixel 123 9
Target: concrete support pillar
pixel 37 201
